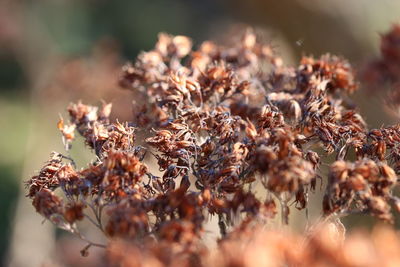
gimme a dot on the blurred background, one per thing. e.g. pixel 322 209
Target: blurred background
pixel 56 51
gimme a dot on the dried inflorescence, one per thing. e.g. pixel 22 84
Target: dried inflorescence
pixel 363 185
pixel 382 74
pixel 252 246
pixel 386 68
pixel 218 121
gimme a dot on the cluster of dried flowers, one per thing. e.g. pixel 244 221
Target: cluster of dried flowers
pixel 386 68
pixel 252 247
pixel 220 121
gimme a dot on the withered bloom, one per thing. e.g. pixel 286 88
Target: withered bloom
pixel 216 121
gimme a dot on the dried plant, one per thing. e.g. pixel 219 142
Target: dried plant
pixel 386 68
pixel 220 121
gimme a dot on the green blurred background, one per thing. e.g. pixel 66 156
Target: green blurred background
pixel 56 51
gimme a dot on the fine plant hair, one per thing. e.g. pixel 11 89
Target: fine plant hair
pixel 216 122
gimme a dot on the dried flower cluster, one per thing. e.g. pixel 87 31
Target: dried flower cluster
pixel 384 72
pixel 324 246
pixel 219 122
pixel 386 68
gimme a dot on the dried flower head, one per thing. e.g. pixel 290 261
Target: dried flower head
pixel 212 124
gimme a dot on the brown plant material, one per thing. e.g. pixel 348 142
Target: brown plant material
pixel 218 121
pixel 382 74
pixel 387 67
pixel 251 246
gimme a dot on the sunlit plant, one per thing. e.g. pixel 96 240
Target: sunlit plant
pixel 210 127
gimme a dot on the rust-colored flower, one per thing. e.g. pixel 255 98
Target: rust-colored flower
pixel 209 126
